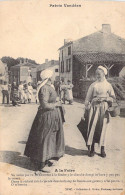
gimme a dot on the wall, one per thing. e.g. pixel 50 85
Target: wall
pixel 65 75
pixel 3 71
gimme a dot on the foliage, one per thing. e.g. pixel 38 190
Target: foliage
pixel 29 60
pixel 118 84
pixel 12 62
pixel 9 61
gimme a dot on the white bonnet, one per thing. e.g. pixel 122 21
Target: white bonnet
pixel 46 74
pixel 103 68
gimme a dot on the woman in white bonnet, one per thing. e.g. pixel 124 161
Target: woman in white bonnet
pixel 46 138
pixel 99 96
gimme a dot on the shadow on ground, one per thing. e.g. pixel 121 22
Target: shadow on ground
pixel 22 142
pixel 75 152
pixel 16 159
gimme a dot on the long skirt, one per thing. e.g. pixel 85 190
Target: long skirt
pixel 46 138
pixel 14 97
pixel 22 96
pixel 97 123
pixel 69 94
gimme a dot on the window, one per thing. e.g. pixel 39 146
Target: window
pixel 67 62
pixel 62 54
pixel 56 70
pixel 69 68
pixel 62 66
pixel 68 65
pixel 69 50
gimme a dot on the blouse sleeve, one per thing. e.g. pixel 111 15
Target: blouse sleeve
pixel 89 95
pixel 111 92
pixel 44 97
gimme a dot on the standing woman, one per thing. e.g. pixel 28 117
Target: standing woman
pixel 99 97
pixel 21 92
pixel 46 138
pixel 69 92
pixel 30 92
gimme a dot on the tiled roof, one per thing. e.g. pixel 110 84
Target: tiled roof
pixel 100 42
pixel 99 57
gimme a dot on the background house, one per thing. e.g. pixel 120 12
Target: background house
pixel 79 59
pixel 3 76
pixel 3 72
pixel 52 64
pixel 25 71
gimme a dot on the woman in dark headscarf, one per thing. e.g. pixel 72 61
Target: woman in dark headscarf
pixel 46 138
pixel 14 94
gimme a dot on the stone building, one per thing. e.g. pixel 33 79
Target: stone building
pixel 3 72
pixel 80 58
pixel 25 71
pixel 52 64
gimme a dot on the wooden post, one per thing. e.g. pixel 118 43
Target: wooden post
pixel 108 68
pixel 86 74
pixel 87 68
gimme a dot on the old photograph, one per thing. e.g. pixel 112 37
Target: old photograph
pixel 62 97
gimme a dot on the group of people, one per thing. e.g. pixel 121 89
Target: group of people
pixel 25 92
pixel 45 144
pixel 21 94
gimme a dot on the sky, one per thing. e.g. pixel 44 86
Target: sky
pixel 32 29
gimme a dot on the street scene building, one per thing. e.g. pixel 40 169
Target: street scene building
pixel 52 64
pixel 3 72
pixel 3 76
pixel 24 71
pixel 80 58
pixel 78 61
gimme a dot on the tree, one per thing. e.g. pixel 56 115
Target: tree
pixel 9 61
pixel 29 60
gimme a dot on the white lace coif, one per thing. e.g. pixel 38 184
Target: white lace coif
pixel 103 68
pixel 46 74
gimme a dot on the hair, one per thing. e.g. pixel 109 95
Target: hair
pixel 101 70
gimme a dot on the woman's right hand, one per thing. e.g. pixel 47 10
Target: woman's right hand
pixel 58 104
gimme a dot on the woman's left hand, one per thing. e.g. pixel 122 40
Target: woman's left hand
pixel 109 99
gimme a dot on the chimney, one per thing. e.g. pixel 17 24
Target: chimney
pixel 66 41
pixel 106 28
pixel 46 61
pixel 20 61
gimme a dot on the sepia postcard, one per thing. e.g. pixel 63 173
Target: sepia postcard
pixel 62 97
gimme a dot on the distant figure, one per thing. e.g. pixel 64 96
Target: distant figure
pixel 14 94
pixel 30 92
pixel 57 87
pixel 5 92
pixel 63 91
pixel 26 92
pixel 21 92
pixel 69 92
pixel 38 83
